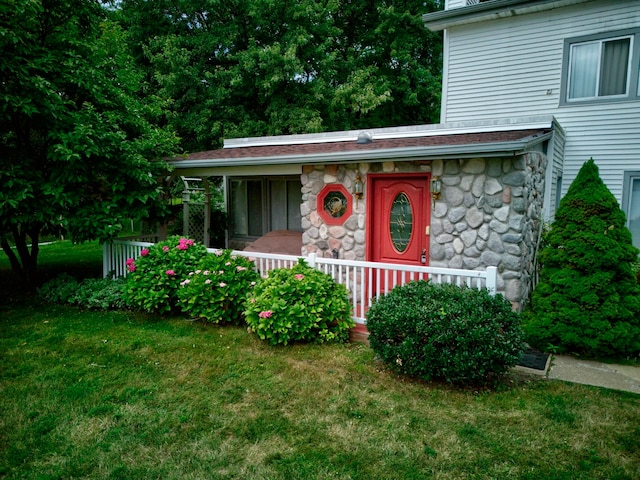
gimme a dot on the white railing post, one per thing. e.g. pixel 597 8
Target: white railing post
pixel 106 259
pixel 492 280
pixel 311 259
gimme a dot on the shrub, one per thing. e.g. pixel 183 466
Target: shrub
pixel 299 304
pixel 445 332
pixel 155 276
pixel 587 300
pixel 58 290
pixel 100 293
pixel 91 293
pixel 216 290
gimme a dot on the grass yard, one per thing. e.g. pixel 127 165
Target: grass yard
pixel 123 395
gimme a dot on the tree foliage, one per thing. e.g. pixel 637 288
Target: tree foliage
pixel 587 300
pixel 79 133
pixel 266 67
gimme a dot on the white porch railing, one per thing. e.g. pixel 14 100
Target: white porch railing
pixel 364 281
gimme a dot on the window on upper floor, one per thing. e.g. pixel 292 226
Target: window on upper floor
pixel 602 68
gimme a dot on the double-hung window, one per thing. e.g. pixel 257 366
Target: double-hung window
pixel 602 68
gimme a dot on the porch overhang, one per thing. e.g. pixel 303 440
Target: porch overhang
pixel 492 10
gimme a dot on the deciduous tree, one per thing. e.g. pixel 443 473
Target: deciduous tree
pixel 267 67
pixel 81 140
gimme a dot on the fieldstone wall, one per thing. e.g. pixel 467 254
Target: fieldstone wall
pixel 489 214
pixel 341 241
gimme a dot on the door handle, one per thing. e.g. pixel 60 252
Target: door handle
pixel 423 257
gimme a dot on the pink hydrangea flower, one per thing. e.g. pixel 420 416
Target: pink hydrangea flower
pixel 265 314
pixel 241 269
pixel 144 252
pixel 165 249
pixel 170 272
pixel 184 243
pixel 222 284
pixel 207 281
pixel 131 266
pixel 185 282
pixel 298 276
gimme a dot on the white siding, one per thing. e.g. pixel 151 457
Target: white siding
pixel 554 171
pixel 513 66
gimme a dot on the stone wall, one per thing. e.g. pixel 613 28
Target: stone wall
pixel 489 214
pixel 346 240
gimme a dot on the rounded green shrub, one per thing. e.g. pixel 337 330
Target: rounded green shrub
pixel 216 290
pixel 154 277
pixel 299 304
pixel 588 299
pixel 445 332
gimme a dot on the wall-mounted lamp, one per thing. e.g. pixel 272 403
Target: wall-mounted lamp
pixel 358 188
pixel 436 189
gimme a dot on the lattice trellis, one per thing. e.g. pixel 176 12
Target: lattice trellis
pixel 196 209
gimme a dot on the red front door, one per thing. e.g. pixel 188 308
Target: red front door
pixel 399 208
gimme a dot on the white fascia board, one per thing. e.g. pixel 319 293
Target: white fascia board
pixel 493 149
pixel 412 131
pixel 493 10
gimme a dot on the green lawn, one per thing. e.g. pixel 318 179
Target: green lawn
pixel 123 395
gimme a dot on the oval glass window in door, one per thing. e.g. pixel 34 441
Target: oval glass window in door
pixel 401 222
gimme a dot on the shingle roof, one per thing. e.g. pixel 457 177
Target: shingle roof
pixel 307 152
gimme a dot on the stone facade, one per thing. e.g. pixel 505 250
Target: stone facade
pixel 489 214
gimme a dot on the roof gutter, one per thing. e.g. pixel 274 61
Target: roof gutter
pixel 491 10
pixel 494 149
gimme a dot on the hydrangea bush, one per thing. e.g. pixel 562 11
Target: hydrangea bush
pixel 216 290
pixel 299 304
pixel 154 277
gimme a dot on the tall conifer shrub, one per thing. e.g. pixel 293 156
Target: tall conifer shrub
pixel 587 300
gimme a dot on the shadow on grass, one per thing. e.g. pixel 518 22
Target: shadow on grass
pixel 80 261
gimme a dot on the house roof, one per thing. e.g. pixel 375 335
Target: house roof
pixel 404 143
pixel 490 10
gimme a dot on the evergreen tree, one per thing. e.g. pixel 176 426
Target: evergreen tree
pixel 587 300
